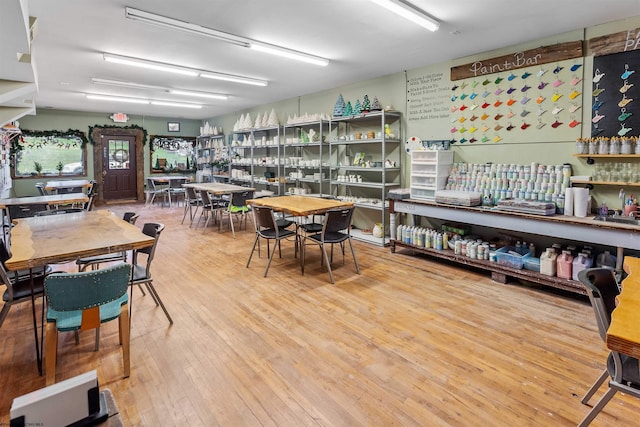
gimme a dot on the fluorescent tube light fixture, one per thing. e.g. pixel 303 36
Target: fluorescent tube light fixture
pixel 410 12
pixel 192 72
pixel 198 94
pixel 175 24
pixel 116 99
pixel 98 97
pixel 182 92
pixel 234 79
pixel 143 63
pixel 176 104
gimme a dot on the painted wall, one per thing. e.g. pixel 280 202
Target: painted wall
pixel 63 120
pixel 422 95
pixel 430 88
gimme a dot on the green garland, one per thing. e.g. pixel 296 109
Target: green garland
pixel 16 145
pixel 145 135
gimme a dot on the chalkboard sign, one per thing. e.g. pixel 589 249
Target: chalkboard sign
pixel 616 95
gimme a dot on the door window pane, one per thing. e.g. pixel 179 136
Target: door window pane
pixel 118 154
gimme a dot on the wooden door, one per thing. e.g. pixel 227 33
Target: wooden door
pixel 119 167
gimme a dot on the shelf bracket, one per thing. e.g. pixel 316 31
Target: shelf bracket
pixel 590 160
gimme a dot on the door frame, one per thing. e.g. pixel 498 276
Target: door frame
pixel 96 136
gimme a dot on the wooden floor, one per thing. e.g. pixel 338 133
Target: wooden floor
pixel 410 342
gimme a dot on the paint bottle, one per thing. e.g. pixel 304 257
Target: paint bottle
pixel 565 265
pixel 548 262
pixel 580 263
pixel 606 260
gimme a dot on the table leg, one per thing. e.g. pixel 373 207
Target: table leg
pixel 39 343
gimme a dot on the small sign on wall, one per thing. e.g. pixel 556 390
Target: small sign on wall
pixel 119 117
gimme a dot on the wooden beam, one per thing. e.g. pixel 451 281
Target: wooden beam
pixel 514 61
pixel 624 41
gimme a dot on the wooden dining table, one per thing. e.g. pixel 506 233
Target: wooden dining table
pixel 66 184
pixel 218 188
pixel 50 200
pixel 623 334
pixel 300 205
pixel 40 241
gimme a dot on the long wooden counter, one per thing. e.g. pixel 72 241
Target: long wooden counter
pixel 624 335
pixel 588 230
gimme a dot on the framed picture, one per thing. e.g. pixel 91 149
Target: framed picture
pixel 173 126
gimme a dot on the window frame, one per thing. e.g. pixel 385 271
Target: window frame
pixel 17 148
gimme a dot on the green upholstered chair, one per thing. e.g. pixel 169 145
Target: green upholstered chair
pixel 83 301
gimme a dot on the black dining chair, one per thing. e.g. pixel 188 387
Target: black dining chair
pixel 18 284
pixel 268 229
pixel 336 229
pixel 142 268
pixel 622 371
pixel 192 203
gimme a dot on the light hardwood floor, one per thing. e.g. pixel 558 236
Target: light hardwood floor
pixel 410 342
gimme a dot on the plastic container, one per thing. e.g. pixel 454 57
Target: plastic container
pixel 564 264
pixel 548 262
pixel 580 263
pixel 508 257
pixel 531 263
pixel 606 260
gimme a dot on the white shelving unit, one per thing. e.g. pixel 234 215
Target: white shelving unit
pixel 429 172
pixel 208 148
pixel 255 158
pixel 305 157
pixel 365 156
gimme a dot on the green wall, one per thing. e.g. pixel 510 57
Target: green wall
pixel 552 147
pixel 393 90
pixel 63 120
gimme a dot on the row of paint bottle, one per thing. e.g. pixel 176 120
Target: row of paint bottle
pixel 433 239
pixel 422 237
pixel 567 266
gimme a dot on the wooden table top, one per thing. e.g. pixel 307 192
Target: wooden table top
pixel 52 239
pixel 67 183
pixel 52 199
pixel 218 187
pixel 167 178
pixel 623 335
pixel 300 205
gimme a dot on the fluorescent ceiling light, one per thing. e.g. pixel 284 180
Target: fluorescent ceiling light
pixel 136 62
pixel 142 63
pixel 116 99
pixel 410 12
pixel 108 82
pixel 198 94
pixel 175 24
pixel 288 53
pixel 235 79
pixel 140 101
pixel 158 88
pixel 176 104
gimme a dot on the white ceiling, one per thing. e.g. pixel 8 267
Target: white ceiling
pixel 361 39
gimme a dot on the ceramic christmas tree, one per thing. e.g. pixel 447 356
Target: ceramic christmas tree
pixel 376 104
pixel 338 110
pixel 357 108
pixel 247 122
pixel 366 104
pixel 348 110
pixel 258 123
pixel 273 119
pixel 265 120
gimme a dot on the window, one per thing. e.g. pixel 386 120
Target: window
pixel 171 154
pixel 49 153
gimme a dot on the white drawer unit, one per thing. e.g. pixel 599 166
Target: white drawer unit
pixel 429 172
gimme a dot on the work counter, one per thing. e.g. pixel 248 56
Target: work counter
pixel 571 228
